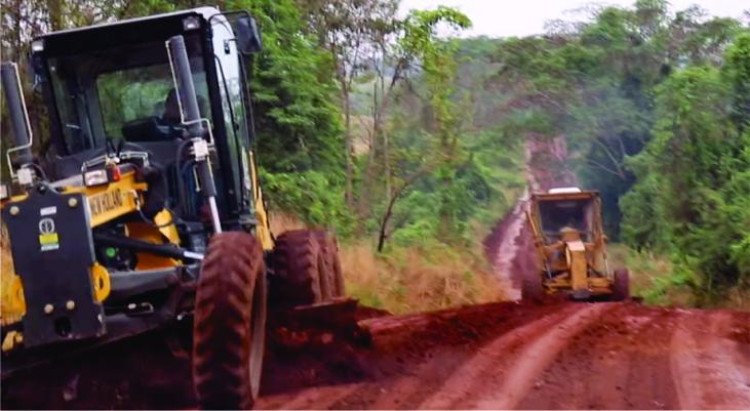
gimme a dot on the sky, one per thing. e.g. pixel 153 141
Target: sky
pixel 503 18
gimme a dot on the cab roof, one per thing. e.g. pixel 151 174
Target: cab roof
pixel 115 34
pixel 554 196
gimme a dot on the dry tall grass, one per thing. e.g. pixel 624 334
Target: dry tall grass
pixel 415 279
pixel 738 298
pixel 401 281
pixel 281 222
pixel 409 280
pixel 653 278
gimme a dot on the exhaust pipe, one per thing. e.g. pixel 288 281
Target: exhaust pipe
pixel 191 117
pixel 19 117
pixel 183 78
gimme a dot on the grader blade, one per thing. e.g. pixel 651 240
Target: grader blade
pixel 338 312
pixel 316 324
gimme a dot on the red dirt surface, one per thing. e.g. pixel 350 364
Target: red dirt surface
pixel 555 356
pixel 509 355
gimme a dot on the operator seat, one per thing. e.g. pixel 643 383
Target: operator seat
pixel 171 114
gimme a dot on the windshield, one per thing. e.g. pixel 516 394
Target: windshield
pixel 556 215
pixel 142 93
pixel 126 93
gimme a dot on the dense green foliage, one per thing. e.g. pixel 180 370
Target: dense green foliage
pixel 654 106
pixel 369 121
pixel 695 173
pixel 298 125
pixel 423 176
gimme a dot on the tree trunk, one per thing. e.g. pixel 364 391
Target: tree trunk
pixel 383 234
pixel 349 189
pixel 54 7
pixel 386 156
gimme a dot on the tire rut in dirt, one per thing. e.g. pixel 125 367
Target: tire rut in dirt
pixel 710 359
pixel 299 267
pixel 496 380
pixel 412 360
pixel 229 323
pixel 433 381
pixel 621 362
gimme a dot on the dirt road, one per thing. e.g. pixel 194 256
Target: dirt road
pixel 558 355
pixel 555 356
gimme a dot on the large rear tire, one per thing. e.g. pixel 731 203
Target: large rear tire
pixel 532 289
pixel 230 323
pixel 299 267
pixel 334 275
pixel 621 285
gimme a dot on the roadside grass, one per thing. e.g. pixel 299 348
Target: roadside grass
pixel 410 279
pixel 659 282
pixel 653 277
pixel 738 298
pixel 281 222
pixel 416 279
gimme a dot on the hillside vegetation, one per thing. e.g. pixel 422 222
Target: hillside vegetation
pixel 410 144
pixel 655 105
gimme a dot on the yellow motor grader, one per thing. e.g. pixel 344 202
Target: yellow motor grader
pixel 147 210
pixel 566 224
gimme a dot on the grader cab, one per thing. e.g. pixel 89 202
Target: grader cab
pixel 571 248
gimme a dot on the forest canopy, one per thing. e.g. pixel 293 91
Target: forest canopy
pixel 377 123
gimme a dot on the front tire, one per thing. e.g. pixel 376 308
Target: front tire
pixel 621 285
pixel 230 323
pixel 532 289
pixel 299 268
pixel 334 274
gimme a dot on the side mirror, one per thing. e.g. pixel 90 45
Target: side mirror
pixel 248 36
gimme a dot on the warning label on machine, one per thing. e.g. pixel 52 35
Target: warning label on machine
pixel 48 238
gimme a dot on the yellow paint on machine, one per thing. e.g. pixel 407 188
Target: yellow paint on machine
pixel 13 306
pixel 105 203
pixel 113 200
pixel 263 228
pixel 147 261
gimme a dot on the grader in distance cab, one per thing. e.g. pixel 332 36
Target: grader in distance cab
pixel 568 233
pixel 147 210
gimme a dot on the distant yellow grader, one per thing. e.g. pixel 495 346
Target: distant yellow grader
pixel 571 248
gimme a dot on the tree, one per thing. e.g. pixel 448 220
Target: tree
pixel 349 30
pixel 737 72
pixel 418 44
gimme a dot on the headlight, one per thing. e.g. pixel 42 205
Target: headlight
pixel 191 23
pixel 37 45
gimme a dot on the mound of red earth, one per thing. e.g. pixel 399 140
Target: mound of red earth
pixel 153 371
